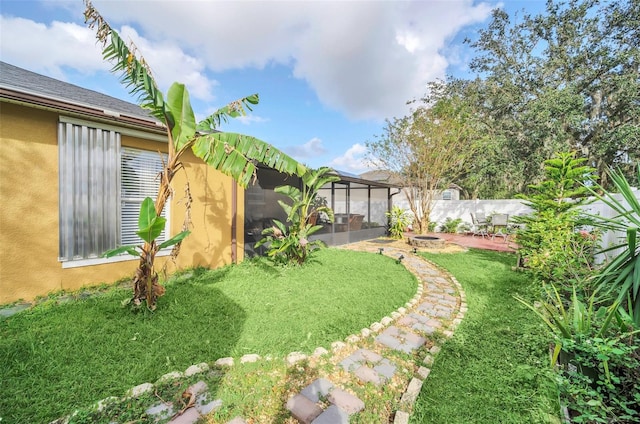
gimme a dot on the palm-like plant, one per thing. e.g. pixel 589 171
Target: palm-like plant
pixel 232 154
pixel 290 242
pixel 620 277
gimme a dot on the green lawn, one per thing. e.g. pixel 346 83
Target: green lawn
pixel 495 369
pixel 55 358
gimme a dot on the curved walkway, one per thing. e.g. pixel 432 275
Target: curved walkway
pixel 376 372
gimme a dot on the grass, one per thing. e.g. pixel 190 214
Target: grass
pixel 495 369
pixel 57 357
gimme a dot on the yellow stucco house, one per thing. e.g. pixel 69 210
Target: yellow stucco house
pixel 75 165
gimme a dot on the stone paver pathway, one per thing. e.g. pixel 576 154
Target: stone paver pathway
pixel 438 306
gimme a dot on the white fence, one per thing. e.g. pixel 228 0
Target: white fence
pixel 443 209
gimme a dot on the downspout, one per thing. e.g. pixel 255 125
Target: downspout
pixel 234 222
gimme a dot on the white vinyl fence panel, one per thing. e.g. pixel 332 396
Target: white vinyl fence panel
pixel 443 209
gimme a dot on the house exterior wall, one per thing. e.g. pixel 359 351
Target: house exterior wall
pixel 29 265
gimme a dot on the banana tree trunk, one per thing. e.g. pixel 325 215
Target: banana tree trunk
pixel 146 287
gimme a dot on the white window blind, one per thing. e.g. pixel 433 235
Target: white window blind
pixel 140 178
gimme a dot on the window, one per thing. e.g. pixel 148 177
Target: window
pixel 139 171
pixel 446 195
pixel 102 186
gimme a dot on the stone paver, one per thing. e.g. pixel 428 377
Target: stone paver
pixel 400 339
pixel 345 401
pixel 190 416
pixel 411 394
pixel 332 415
pixel 369 375
pixel 319 388
pixel 303 409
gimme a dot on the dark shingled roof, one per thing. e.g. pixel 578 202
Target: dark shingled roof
pixel 22 80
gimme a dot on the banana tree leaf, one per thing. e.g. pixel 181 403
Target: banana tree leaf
pixel 178 105
pixel 122 249
pixel 174 240
pixel 147 214
pixel 150 225
pixel 314 229
pixel 150 233
pixel 232 110
pixel 134 72
pixel 233 154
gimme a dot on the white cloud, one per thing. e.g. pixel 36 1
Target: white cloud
pixel 49 48
pixel 311 149
pixel 251 119
pixel 365 58
pixel 170 63
pixel 353 160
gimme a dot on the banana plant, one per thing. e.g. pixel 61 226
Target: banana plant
pixel 290 243
pixel 232 154
pixel 150 226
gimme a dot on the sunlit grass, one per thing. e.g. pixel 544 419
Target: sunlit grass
pixel 495 369
pixel 55 358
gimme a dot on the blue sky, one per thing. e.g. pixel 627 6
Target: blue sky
pixel 328 72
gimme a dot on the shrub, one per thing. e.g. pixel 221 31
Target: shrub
pixel 451 225
pixel 399 220
pixel 605 393
pixel 620 277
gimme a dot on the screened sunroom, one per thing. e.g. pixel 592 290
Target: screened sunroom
pixel 359 207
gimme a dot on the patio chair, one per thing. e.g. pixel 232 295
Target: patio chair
pixel 480 224
pixel 355 222
pixel 500 221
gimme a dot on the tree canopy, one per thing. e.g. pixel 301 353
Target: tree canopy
pixel 429 149
pixel 564 80
pixel 567 79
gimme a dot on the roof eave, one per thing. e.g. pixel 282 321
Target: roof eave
pixel 104 115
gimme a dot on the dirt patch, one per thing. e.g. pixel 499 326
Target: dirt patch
pixel 404 245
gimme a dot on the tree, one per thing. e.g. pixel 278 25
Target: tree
pixel 551 243
pixel 232 154
pixel 428 150
pixel 564 80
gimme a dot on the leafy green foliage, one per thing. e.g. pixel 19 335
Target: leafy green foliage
pixel 290 243
pixel 597 354
pixel 562 79
pixel 451 225
pixel 553 243
pixel 599 381
pixel 399 220
pixel 620 277
pixel 150 225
